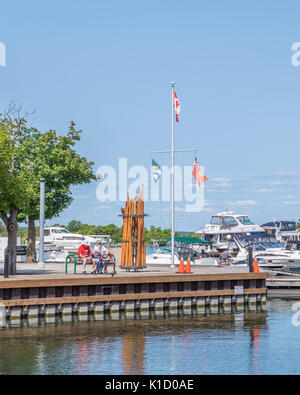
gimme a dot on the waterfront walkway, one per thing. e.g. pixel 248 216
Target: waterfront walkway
pixel 282 287
pixel 52 269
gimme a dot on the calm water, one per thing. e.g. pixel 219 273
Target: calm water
pixel 243 343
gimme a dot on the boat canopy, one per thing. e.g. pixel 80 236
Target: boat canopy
pixel 189 240
pixel 282 225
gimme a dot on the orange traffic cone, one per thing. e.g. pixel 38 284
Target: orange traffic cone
pixel 188 265
pixel 255 266
pixel 181 265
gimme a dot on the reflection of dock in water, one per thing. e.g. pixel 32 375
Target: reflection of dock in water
pixel 126 346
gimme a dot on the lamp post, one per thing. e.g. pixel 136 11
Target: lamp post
pixel 41 262
pixel 250 255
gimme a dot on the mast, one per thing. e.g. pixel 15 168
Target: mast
pixel 173 178
pixel 172 184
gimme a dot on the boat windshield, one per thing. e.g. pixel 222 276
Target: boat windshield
pixel 265 246
pixel 261 243
pixel 215 220
pixel 56 230
pixel 288 226
pixel 292 246
pixel 245 220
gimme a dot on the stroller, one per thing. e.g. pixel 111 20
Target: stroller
pixel 102 263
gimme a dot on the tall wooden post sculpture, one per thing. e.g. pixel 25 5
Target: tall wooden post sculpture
pixel 133 254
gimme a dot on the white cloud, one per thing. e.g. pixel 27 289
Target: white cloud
pixel 291 202
pixel 243 203
pixel 265 190
pixel 220 179
pixel 103 206
pixel 220 182
pixel 177 209
pixel 208 209
pixel 286 173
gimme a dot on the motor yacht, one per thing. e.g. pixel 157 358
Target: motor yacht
pixel 266 249
pixel 282 230
pixel 225 225
pixel 59 242
pixel 62 237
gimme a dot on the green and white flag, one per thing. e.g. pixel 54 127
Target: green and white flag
pixel 156 171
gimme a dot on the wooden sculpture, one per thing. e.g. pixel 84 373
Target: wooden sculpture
pixel 133 244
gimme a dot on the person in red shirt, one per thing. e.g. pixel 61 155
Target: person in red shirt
pixel 84 252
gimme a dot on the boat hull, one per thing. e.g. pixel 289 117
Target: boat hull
pixel 165 259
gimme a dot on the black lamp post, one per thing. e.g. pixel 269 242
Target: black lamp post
pixel 250 255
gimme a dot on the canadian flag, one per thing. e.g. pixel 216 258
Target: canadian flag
pixel 198 173
pixel 177 106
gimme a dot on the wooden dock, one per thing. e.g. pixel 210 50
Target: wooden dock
pixel 48 295
pixel 285 287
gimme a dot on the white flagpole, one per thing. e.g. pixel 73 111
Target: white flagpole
pixel 172 185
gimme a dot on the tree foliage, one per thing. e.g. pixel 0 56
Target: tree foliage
pixel 116 232
pixel 52 157
pixel 26 156
pixel 74 226
pixel 15 185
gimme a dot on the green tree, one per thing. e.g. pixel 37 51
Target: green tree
pixel 52 157
pixel 74 226
pixel 86 229
pixel 156 234
pixel 111 230
pixel 15 187
pixel 26 155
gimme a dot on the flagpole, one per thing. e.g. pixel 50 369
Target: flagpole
pixel 172 184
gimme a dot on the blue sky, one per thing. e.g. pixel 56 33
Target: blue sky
pixel 108 65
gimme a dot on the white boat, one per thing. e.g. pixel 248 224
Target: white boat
pixel 266 248
pixel 61 237
pixel 223 226
pixel 59 243
pixel 161 255
pixel 282 230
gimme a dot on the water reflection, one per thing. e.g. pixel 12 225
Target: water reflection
pixel 254 349
pixel 201 344
pixel 133 354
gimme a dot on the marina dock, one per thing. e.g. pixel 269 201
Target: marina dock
pixel 49 293
pixel 285 287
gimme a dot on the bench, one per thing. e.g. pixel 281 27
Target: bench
pixel 76 259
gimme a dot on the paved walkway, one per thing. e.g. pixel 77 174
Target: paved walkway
pixel 52 268
pixel 55 268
